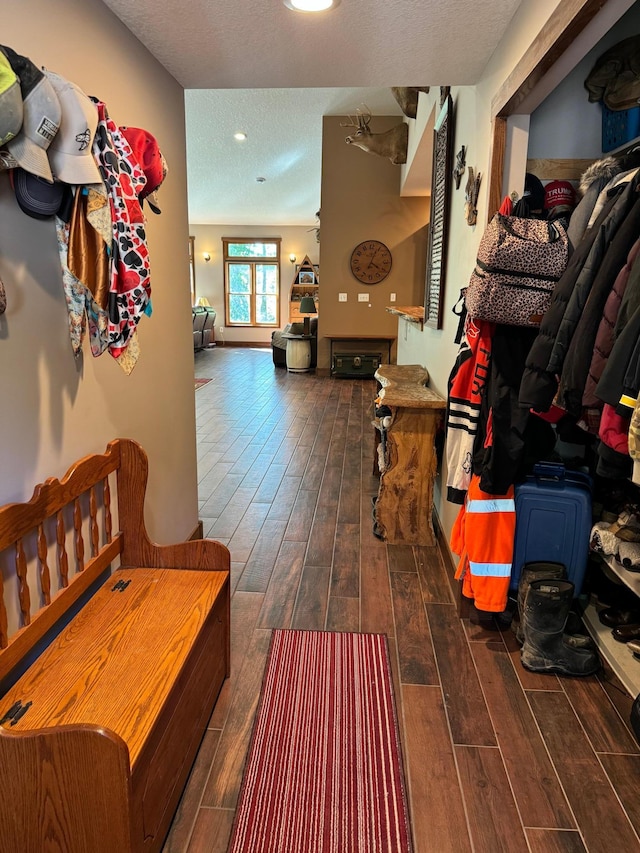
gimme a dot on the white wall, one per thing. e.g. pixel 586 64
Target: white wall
pixel 436 349
pixel 566 124
pixel 56 409
pixel 298 240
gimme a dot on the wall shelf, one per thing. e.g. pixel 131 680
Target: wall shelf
pixel 414 314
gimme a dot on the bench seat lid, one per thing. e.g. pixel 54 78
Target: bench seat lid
pixel 114 664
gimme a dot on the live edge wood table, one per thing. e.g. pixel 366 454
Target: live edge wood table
pixel 405 495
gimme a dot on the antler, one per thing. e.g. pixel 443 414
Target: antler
pixel 351 123
pixel 363 117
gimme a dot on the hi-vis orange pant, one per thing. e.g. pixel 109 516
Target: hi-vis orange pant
pixel 483 536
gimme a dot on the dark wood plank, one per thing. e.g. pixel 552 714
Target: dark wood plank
pixel 322 536
pixel 436 586
pixel 257 572
pixel 402 558
pixel 600 719
pixel 270 483
pixel 437 814
pixel 242 542
pixel 231 516
pixel 600 815
pixel 415 651
pixel 345 578
pixel 624 772
pixel 310 608
pixel 212 831
pixel 301 517
pixel 536 787
pixel 554 841
pixel 245 607
pixel 283 501
pixel 280 597
pixel 466 708
pixel 493 817
pixel 376 612
pixel 185 816
pixel 343 614
pixel 223 786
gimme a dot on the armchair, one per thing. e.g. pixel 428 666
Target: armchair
pixel 203 322
pixel 279 343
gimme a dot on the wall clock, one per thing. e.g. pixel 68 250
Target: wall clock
pixel 371 262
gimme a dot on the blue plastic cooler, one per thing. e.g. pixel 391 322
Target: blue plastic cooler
pixel 553 521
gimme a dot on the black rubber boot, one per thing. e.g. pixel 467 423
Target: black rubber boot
pixel 533 572
pixel 539 571
pixel 545 649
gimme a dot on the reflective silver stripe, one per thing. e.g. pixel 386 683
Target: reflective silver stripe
pixel 492 505
pixel 497 570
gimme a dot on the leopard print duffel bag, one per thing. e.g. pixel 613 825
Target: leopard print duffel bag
pixel 519 262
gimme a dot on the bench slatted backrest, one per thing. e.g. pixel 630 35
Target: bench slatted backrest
pixel 27 521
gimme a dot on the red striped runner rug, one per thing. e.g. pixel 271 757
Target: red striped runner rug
pixel 324 770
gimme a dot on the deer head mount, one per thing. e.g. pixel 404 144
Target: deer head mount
pixel 407 97
pixel 391 144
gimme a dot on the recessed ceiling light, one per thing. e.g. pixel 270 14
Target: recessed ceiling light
pixel 240 136
pixel 311 5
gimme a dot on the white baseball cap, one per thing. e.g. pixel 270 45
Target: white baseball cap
pixel 71 152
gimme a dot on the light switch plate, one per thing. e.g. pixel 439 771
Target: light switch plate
pixel 363 297
pixel 392 297
pixel 342 297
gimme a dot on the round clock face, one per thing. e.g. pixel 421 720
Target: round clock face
pixel 371 262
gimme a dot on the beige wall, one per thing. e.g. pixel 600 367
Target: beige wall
pixel 298 240
pixel 437 350
pixel 361 201
pixel 56 409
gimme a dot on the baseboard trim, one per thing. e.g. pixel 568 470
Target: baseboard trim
pixel 198 531
pixel 464 604
pixel 252 344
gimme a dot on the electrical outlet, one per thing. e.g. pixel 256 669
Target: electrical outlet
pixel 363 297
pixel 342 297
pixel 392 297
pixel 221 329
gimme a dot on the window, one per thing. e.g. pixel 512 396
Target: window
pixel 252 282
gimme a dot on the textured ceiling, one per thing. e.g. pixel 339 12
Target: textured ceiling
pixel 264 49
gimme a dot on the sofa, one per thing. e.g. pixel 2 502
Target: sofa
pixel 204 320
pixel 279 342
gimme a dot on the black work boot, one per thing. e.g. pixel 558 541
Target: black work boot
pixel 540 570
pixel 533 572
pixel 545 649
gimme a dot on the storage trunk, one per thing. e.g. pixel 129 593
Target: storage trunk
pixel 353 365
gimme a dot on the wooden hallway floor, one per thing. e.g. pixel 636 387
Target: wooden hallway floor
pixel 496 758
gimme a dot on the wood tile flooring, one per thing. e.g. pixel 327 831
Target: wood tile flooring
pixel 496 758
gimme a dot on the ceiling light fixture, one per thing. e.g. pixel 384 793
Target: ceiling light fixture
pixel 240 136
pixel 311 5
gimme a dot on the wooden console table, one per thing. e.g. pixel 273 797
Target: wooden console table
pixel 405 495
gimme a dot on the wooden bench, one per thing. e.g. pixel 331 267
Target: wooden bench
pixel 100 729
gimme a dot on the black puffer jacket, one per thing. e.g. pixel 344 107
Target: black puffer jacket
pixel 608 233
pixel 539 385
pixel 581 348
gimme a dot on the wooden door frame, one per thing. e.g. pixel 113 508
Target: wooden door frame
pixel 565 24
